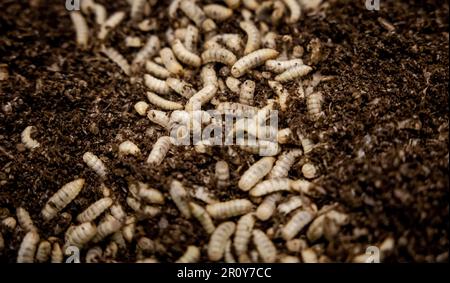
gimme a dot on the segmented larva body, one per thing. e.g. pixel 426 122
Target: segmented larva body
pixel 284 163
pixel 100 13
pixel 133 41
pixel 159 117
pixel 233 84
pixel 232 41
pixel 193 12
pixel 159 150
pixel 28 247
pixel 309 171
pixel 113 21
pixel 291 204
pixel 170 62
pixel 80 235
pixel 238 109
pixel 184 55
pixel 173 7
pixel 252 60
pixel 228 256
pixel 314 105
pixel 191 38
pixel 163 103
pixel 81 29
pixel 271 185
pixel 228 209
pixel 284 136
pixel 180 197
pixel 251 4
pixel 317 227
pixel 293 73
pixel 10 223
pixel 266 209
pixel 309 256
pixel 118 212
pixel 149 50
pixel 181 87
pixel 219 239
pixel 107 226
pixel 192 255
pixel 94 210
pixel 94 255
pixel 156 70
pixel 27 140
pixel 117 58
pixel 57 254
pixel 217 12
pixel 95 163
pixel 137 8
pixel 156 85
pixel 294 9
pixel 141 108
pixel 307 144
pixel 43 251
pixel 151 195
pixel 220 55
pixel 203 217
pixel 281 92
pixel 243 233
pixel 25 220
pixel 270 40
pixel 247 92
pixel 129 228
pixel 298 221
pixel 128 148
pixel 255 173
pixel 264 245
pixel 202 97
pixel 62 198
pixel 253 36
pixel 306 187
pixel 279 66
pixel 208 75
pixel 222 174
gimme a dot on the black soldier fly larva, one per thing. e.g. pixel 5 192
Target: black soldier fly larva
pixel 220 55
pixel 141 108
pixel 217 12
pixel 162 103
pixel 80 235
pixel 94 210
pixel 192 255
pixel 291 204
pixel 297 222
pixel 28 247
pixel 117 58
pixel 27 140
pixel 314 105
pixel 294 10
pixel 24 219
pixel 185 55
pixel 219 239
pixel 284 163
pixel 247 92
pixel 107 226
pixel 293 73
pixel 159 150
pixel 222 174
pixel 267 208
pixel 228 209
pixel 271 185
pixel 180 197
pixel 203 217
pixel 95 163
pixel 128 148
pixel 264 245
pixel 149 50
pixel 243 233
pixel 110 23
pixel 43 252
pixel 159 117
pixel 255 173
pixel 183 88
pixel 252 60
pixel 170 62
pixel 156 85
pixel 156 70
pixel 253 36
pixel 81 29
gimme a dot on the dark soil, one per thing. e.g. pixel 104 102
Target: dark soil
pixel 384 139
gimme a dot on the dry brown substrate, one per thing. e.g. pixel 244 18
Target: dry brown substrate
pixel 384 140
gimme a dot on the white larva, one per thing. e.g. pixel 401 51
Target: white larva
pixel 309 171
pixel 279 66
pixel 222 174
pixel 163 103
pixel 113 21
pixel 181 87
pixel 148 211
pixel 232 4
pixel 288 259
pixel 94 255
pixel 250 4
pixel 203 194
pixel 81 29
pixel 265 247
pixel 27 140
pixel 309 256
pixel 269 40
pixel 151 195
pixel 141 108
pixel 57 254
pixel 25 220
pixel 94 210
pixel 193 12
pixel 156 70
pixel 297 222
pixel 278 12
pixel 156 85
pixel 180 197
pixel 314 105
pixel 117 58
pixel 271 185
pixel 28 247
pixel 243 233
pixel 192 255
pixel 203 217
pixel 253 36
pixel 252 60
pixel 247 92
pixel 202 97
pixel 284 163
pixel 217 12
pixel 137 8
pixel 184 55
pixel 159 117
pixel 281 92
pixel 100 13
pixel 9 223
pixel 170 62
pixel 159 150
pixel 128 148
pixel 173 7
pixel 237 109
pixel 219 239
pixel 149 50
pixel 228 256
pixel 87 5
pixel 232 41
pixel 317 227
pixel 43 251
pixel 284 136
pixel 191 38
pixel 228 209
pixel 208 75
pixel 220 55
pixel 294 9
pixel 293 73
pixel 307 144
pixel 306 187
pixel 291 204
pixel 266 209
pixel 95 163
pixel 117 212
pixel 133 41
pixel 62 198
pixel 107 226
pixel 208 25
pixel 233 84
pixel 129 228
pixel 255 173
pixel 80 235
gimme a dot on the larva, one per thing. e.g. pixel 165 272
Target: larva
pixel 278 12
pixel 294 9
pixel 117 58
pixel 25 220
pixel 232 41
pixel 159 150
pixel 163 103
pixel 94 255
pixel 233 84
pixel 141 108
pixel 317 227
pixel 149 50
pixel 297 222
pixel 170 62
pixel 156 85
pixel 192 255
pixel 184 55
pixel 43 251
pixel 314 105
pixel 94 210
pixel 264 246
pixel 203 217
pixel 118 212
pixel 219 239
pixel 203 194
pixel 81 29
pixel 156 70
pixel 133 41
pixel 247 92
pixel 208 75
pixel 80 235
pixel 28 247
pixel 284 163
pixel 222 174
pixel 56 254
pixel 129 227
pixel 208 25
pixel 228 209
pixel 253 36
pixel 181 87
pixel 10 223
pixel 237 109
pixel 62 198
pixel 255 173
pixel 266 209
pixel 306 187
pixel 252 60
pixel 243 233
pixel 278 66
pixel 27 140
pixel 113 21
pixel 291 204
pixel 271 185
pixel 159 117
pixel 173 7
pixel 95 163
pixel 128 148
pixel 107 226
pixel 284 136
pixel 250 4
pixel 288 259
pixel 281 92
pixel 270 40
pixel 309 256
pixel 293 73
pixel 220 55
pixel 309 171
pixel 191 38
pixel 151 195
pixel 228 256
pixel 307 144
pixel 87 5
pixel 180 197
pixel 217 12
pixel 296 245
pixel 202 97
pixel 193 12
pixel 100 13
pixel 137 8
